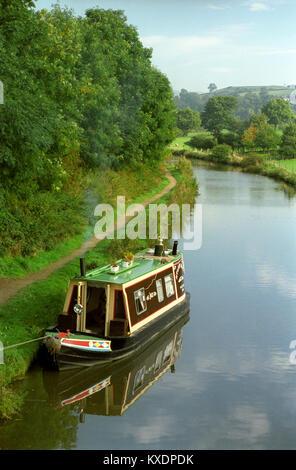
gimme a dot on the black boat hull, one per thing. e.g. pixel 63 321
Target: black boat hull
pixel 122 347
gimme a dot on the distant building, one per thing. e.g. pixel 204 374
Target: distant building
pixel 291 86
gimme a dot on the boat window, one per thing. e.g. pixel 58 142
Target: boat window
pixel 158 361
pixel 159 289
pixel 169 285
pixel 140 301
pixel 139 379
pixel 168 352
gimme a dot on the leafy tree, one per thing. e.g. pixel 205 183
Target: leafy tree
pixel 249 136
pixel 189 99
pixel 288 141
pixel 267 138
pixel 248 104
pixel 260 134
pixel 264 96
pixel 278 111
pixel 218 114
pixel 79 93
pixel 188 120
pixel 212 87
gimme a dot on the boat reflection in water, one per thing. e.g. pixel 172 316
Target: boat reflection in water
pixel 112 390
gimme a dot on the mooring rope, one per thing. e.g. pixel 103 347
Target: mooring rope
pixel 24 342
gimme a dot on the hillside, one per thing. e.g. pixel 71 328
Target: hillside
pixel 274 90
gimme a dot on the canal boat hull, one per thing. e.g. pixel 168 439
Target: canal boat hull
pixel 122 347
pixel 126 380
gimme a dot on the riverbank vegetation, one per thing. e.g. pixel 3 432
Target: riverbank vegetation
pixel 264 144
pixel 83 108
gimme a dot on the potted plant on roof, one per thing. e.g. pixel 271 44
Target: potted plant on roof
pixel 127 259
pixel 114 268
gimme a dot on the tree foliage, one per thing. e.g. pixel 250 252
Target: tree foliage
pixel 212 87
pixel 80 92
pixel 188 120
pixel 218 114
pixel 260 134
pixel 278 111
pixel 288 141
pixel 189 99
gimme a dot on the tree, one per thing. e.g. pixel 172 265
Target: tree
pixel 212 87
pixel 249 136
pixel 264 96
pixel 260 134
pixel 188 120
pixel 288 141
pixel 189 99
pixel 278 111
pixel 248 104
pixel 218 114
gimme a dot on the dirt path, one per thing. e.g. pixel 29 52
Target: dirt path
pixel 9 287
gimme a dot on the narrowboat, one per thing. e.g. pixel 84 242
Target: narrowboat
pixel 111 311
pixel 112 390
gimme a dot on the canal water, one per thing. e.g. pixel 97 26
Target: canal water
pixel 226 379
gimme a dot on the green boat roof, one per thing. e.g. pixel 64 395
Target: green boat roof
pixel 144 263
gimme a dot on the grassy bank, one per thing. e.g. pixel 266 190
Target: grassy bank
pixel 280 170
pixel 27 314
pixel 133 183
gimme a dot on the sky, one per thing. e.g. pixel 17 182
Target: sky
pixel 197 42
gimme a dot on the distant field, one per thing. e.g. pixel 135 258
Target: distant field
pixel 289 164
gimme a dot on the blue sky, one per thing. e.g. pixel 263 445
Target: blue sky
pixel 196 42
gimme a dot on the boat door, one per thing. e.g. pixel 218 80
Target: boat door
pixel 96 308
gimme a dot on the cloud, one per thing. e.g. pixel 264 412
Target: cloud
pixel 258 6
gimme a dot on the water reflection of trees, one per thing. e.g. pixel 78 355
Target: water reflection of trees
pixel 37 426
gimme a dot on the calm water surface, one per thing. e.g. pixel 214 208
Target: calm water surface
pixel 234 386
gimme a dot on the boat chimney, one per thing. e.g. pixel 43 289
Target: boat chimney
pixel 82 267
pixel 158 249
pixel 175 248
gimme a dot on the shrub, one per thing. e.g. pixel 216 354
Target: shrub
pixel 202 142
pixel 221 153
pixel 253 159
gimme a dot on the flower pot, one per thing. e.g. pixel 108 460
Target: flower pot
pixel 114 268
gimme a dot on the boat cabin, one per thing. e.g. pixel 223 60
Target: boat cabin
pixel 118 300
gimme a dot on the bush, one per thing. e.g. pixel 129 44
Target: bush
pixel 253 159
pixel 202 142
pixel 221 153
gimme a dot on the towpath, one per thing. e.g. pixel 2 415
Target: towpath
pixel 9 287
